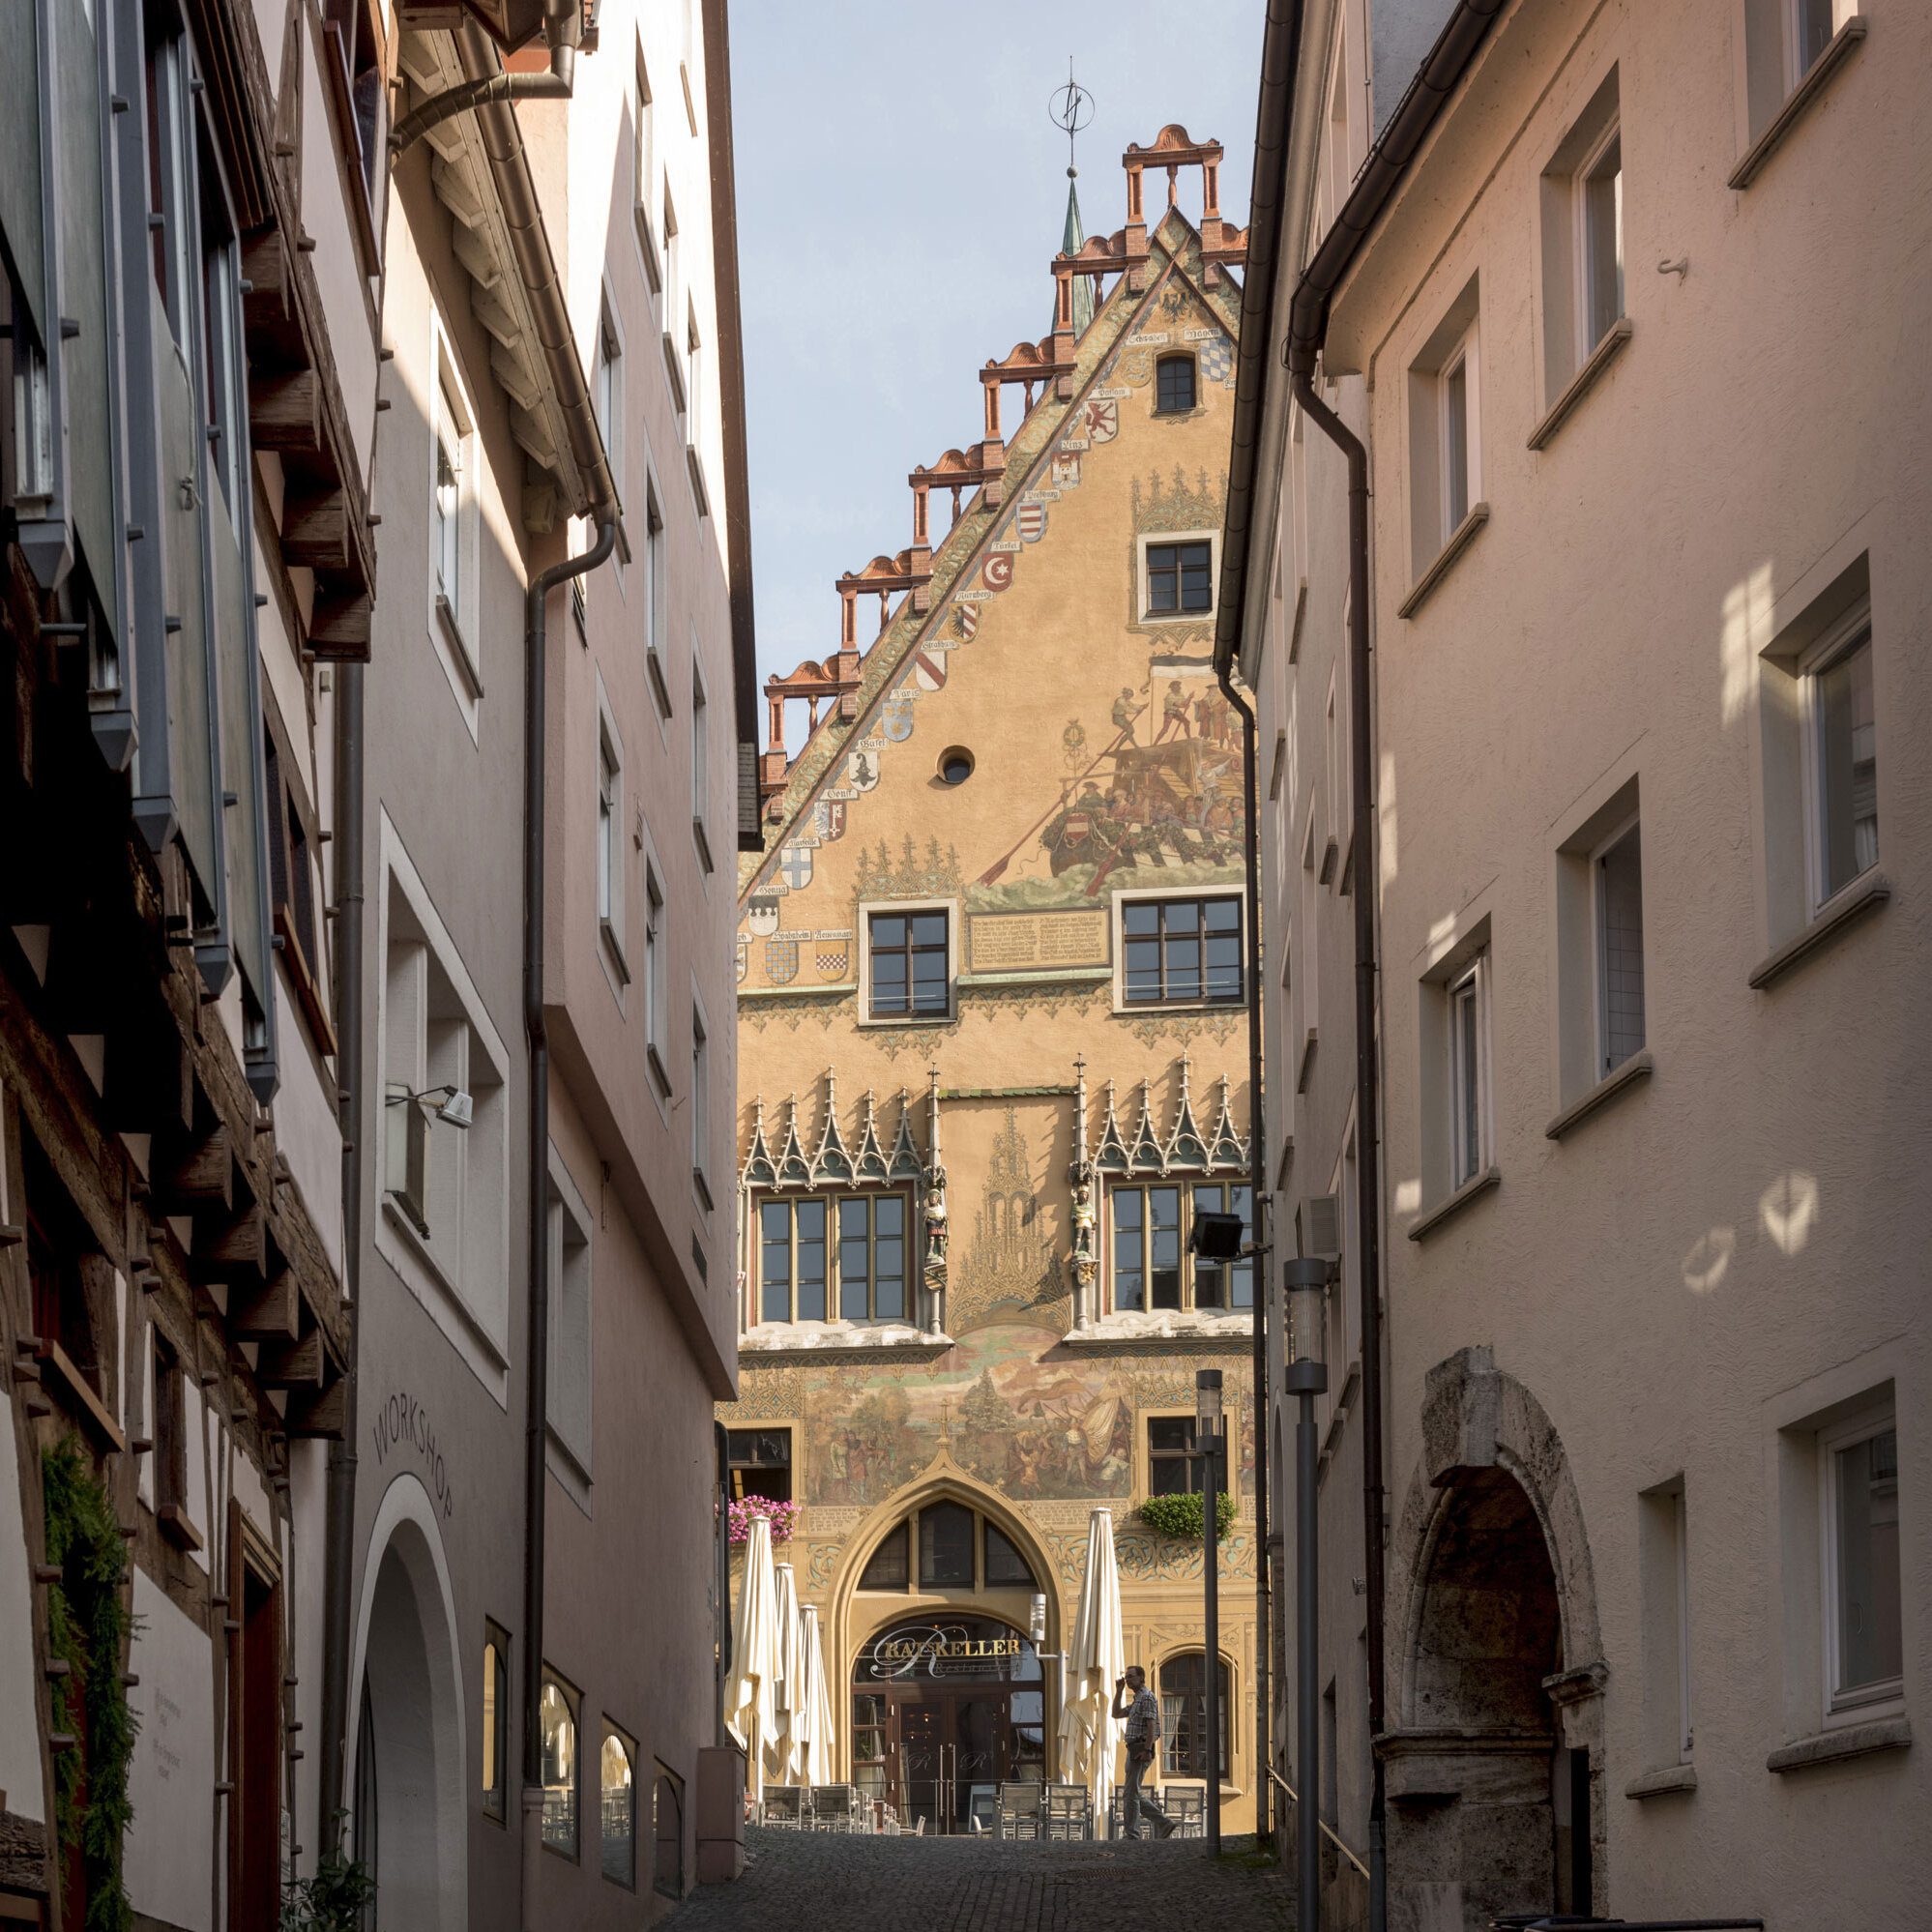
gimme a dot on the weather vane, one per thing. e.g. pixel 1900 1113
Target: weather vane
pixel 1071 107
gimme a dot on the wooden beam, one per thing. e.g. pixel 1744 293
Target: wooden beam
pixel 326 1414
pixel 265 264
pixel 340 631
pixel 296 1365
pixel 315 529
pixel 230 1249
pixel 273 1313
pixel 285 410
pixel 201 1171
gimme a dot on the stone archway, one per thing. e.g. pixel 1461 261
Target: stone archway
pixel 406 1743
pixel 1493 1759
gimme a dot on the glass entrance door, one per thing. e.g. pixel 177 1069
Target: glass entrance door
pixel 924 1733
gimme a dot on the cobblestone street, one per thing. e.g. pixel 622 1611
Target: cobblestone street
pixel 818 1882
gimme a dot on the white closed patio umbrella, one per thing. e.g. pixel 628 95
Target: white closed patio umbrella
pixel 815 1711
pixel 1089 1731
pixel 781 1753
pixel 749 1697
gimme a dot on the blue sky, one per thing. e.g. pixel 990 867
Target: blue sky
pixel 900 195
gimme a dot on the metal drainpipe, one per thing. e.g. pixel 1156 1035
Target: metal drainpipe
pixel 1367 1139
pixel 1257 1148
pixel 339 1508
pixel 536 1184
pixel 562 29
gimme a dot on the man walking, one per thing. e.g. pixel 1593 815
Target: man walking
pixel 1133 1701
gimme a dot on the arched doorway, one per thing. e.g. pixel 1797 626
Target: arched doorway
pixel 944 1706
pixel 1485 1760
pixel 406 1800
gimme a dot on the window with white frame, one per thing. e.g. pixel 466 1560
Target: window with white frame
pixel 656 605
pixel 657 949
pixel 1151 1229
pixel 1177 577
pixel 700 1104
pixel 845 1257
pixel 567 1231
pixel 1468 999
pixel 700 763
pixel 444 1124
pixel 1178 952
pixel 1616 896
pixel 1445 433
pixel 1784 40
pixel 908 963
pixel 1841 755
pixel 454 517
pixel 1582 214
pixel 1865 1655
pixel 608 390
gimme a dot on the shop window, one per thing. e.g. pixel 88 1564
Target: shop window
pixel 1184 1714
pixel 667 1833
pixel 557 1721
pixel 803 1276
pixel 1177 951
pixel 618 1807
pixel 1152 1226
pixel 889 1567
pixel 1005 1568
pixel 760 1462
pixel 945 1547
pixel 495 1723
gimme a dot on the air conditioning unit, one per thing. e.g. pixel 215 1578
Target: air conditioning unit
pixel 1321 1226
pixel 407 1154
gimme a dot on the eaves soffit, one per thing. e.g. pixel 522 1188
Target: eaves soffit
pixel 959 554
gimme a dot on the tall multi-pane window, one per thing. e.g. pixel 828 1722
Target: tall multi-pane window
pixel 1843 759
pixel 495 1722
pixel 945 1547
pixel 557 1725
pixel 1181 950
pixel 908 953
pixel 618 1807
pixel 1469 1070
pixel 1618 880
pixel 1867 1651
pixel 861 1274
pixel 1184 1713
pixel 1152 1227
pixel 1179 578
pixel 1174 384
pixel 1172 1467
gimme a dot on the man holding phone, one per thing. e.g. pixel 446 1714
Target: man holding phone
pixel 1133 1701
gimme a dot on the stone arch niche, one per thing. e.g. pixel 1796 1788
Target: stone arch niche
pixel 410 1761
pixel 1493 1759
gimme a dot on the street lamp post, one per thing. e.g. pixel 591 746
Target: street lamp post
pixel 1208 1446
pixel 1306 1282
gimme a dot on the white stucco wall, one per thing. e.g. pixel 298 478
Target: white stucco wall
pixel 171 1781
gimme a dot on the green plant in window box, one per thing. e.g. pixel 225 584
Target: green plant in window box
pixel 1181 1517
pixel 87 1630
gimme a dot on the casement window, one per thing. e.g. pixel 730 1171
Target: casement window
pixel 644 172
pixel 617 1794
pixel 657 953
pixel 1617 885
pixel 567 1231
pixel 1174 383
pixel 292 895
pixel 908 960
pixel 1179 951
pixel 1864 1631
pixel 1597 220
pixel 1184 1714
pixel 353 75
pixel 1445 433
pixel 1172 1467
pixel 607 391
pixel 841 1258
pixel 1784 41
pixel 760 1463
pixel 1840 755
pixel 1581 194
pixel 1179 577
pixel 700 765
pixel 657 601
pixel 495 1723
pixel 1152 1226
pixel 454 523
pixel 1468 1002
pixel 700 1106
pixel 559 1705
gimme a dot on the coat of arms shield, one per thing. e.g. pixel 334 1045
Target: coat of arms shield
pixel 782 961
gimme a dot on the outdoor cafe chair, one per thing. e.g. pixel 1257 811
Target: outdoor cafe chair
pixel 1019 1810
pixel 1069 1812
pixel 784 1805
pixel 1187 1805
pixel 833 1808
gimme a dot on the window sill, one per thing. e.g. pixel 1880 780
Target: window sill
pixel 1863 894
pixel 646 241
pixel 793 992
pixel 1460 538
pixel 694 463
pixel 910 1020
pixel 830 1337
pixel 1639 1067
pixel 1663 1783
pixel 675 369
pixel 1830 1747
pixel 1134 1325
pixel 1307 1063
pixel 1480 1183
pixel 702 839
pixel 1065 975
pixel 453 635
pixel 1798 103
pixel 657 1065
pixel 701 1187
pixel 613 951
pixel 1130 1007
pixel 1328 866
pixel 1581 383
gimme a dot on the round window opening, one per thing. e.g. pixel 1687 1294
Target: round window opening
pixel 955 765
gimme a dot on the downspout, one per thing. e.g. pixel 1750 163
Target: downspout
pixel 562 29
pixel 1257 1153
pixel 536 1186
pixel 339 1531
pixel 1415 115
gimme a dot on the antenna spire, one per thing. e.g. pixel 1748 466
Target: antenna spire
pixel 1071 107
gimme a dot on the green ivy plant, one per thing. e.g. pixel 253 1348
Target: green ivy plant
pixel 87 1629
pixel 337 1899
pixel 1182 1518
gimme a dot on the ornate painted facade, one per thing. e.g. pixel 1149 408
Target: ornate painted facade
pixel 980 1105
